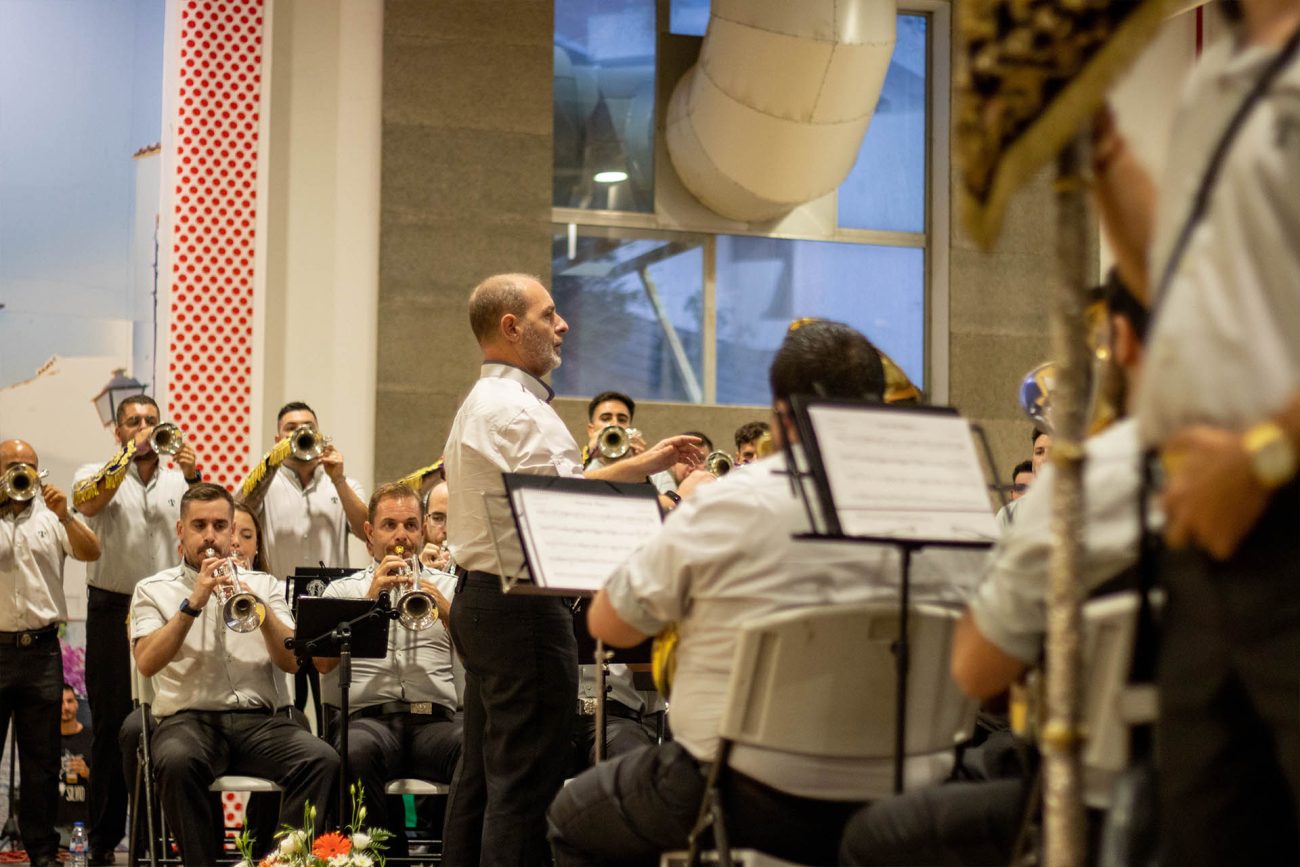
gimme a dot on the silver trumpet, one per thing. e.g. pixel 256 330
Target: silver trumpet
pixel 614 441
pixel 308 443
pixel 21 482
pixel 416 608
pixel 718 463
pixel 241 610
pixel 166 439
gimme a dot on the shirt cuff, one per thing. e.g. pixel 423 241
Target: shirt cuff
pixel 1024 645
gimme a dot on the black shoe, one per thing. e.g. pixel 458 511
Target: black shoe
pixel 97 858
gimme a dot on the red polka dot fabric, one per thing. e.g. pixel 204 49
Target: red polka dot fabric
pixel 210 344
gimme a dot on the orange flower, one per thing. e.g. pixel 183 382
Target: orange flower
pixel 331 844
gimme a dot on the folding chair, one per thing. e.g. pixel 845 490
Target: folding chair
pixel 820 683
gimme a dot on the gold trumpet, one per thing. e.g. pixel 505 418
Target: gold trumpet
pixel 615 441
pixel 241 610
pixel 308 443
pixel 166 439
pixel 718 463
pixel 416 608
pixel 21 482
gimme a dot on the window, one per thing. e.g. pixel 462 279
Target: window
pixel 695 312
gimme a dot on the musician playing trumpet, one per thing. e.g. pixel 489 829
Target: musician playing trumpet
pixel 402 708
pixel 132 502
pixel 37 533
pixel 217 691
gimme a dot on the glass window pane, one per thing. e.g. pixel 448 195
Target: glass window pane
pixel 604 104
pixel 612 292
pixel 765 283
pixel 689 17
pixel 886 189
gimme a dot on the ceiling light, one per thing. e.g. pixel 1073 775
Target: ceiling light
pixel 610 177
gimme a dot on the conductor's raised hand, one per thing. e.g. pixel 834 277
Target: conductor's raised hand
pixel 682 449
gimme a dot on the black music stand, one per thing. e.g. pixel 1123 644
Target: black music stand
pixel 344 628
pixel 826 522
pixel 309 581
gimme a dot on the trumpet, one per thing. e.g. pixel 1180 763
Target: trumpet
pixel 308 443
pixel 718 463
pixel 416 609
pixel 166 439
pixel 614 441
pixel 763 446
pixel 21 482
pixel 241 610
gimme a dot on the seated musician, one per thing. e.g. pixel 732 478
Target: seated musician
pixel 728 555
pixel 217 690
pixel 403 707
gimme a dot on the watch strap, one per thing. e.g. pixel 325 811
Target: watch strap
pixel 188 609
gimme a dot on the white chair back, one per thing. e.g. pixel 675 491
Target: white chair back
pixel 821 682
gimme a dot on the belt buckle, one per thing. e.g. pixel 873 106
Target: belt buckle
pixel 26 639
pixel 586 706
pixel 424 708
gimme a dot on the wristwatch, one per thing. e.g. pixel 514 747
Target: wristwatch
pixel 1272 455
pixel 198 477
pixel 187 608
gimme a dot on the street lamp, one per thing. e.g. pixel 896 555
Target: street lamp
pixel 119 388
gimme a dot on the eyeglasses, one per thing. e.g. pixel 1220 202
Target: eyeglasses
pixel 436 517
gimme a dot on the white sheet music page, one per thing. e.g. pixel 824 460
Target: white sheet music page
pixel 575 541
pixel 903 474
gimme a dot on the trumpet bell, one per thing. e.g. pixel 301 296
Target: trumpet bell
pixel 308 444
pixel 416 610
pixel 1036 395
pixel 718 463
pixel 21 482
pixel 614 441
pixel 243 612
pixel 166 439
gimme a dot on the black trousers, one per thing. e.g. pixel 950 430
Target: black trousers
pixel 31 690
pixel 625 732
pixel 1228 735
pixel 521 688
pixel 108 688
pixel 192 748
pixel 630 810
pixel 391 747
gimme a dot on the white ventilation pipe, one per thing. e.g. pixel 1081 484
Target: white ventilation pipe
pixel 773 114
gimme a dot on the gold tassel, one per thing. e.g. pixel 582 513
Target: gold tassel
pixel 107 479
pixel 270 461
pixel 415 479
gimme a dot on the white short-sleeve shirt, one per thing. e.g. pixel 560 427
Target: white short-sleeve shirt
pixel 33 548
pixel 305 526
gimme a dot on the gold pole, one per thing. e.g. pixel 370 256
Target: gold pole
pixel 1065 842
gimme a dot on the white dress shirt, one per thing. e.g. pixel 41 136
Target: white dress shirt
pixel 216 668
pixel 136 529
pixel 506 424
pixel 1225 344
pixel 726 556
pixel 33 548
pixel 1010 605
pixel 418 666
pixel 305 526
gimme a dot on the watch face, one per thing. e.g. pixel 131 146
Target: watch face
pixel 315 587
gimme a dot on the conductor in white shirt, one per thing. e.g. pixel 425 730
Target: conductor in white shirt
pixel 521 661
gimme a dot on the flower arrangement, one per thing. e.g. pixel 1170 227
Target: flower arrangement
pixel 354 846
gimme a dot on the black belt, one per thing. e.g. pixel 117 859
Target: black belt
pixel 415 708
pixel 587 707
pixel 30 637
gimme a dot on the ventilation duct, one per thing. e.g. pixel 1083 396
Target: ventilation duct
pixel 773 114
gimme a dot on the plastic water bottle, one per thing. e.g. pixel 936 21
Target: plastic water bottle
pixel 77 845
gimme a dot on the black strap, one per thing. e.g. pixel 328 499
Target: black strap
pixel 1201 202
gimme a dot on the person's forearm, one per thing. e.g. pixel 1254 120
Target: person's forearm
pixel 1126 202
pixel 629 469
pixel 82 539
pixel 274 632
pixel 253 499
pixel 156 650
pixel 353 508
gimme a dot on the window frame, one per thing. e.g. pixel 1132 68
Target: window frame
pixel 934 240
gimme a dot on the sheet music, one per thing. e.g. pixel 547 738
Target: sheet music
pixel 906 475
pixel 575 541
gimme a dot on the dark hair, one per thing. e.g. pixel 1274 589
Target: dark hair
pixel 751 431
pixel 293 406
pixel 206 492
pixel 136 398
pixel 610 395
pixel 708 443
pixel 67 687
pixel 1033 438
pixel 261 561
pixel 1120 301
pixel 827 359
pixel 495 297
pixel 393 491
pixel 1022 467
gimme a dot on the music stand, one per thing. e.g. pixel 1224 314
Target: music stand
pixel 309 581
pixel 573 534
pixel 343 628
pixel 907 477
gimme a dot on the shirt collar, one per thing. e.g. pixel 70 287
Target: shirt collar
pixel 292 475
pixel 531 384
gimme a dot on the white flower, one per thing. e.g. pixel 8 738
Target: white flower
pixel 341 861
pixel 362 860
pixel 360 841
pixel 293 843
